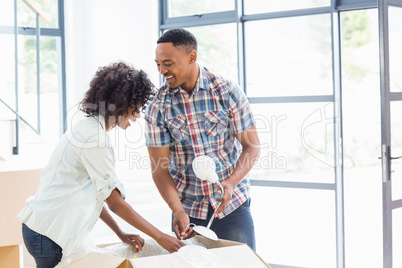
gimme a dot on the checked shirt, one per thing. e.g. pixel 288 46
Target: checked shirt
pixel 203 123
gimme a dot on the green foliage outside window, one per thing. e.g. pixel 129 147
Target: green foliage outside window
pixel 48 48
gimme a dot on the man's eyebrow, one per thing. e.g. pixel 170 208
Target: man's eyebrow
pixel 164 60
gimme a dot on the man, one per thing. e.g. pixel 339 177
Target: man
pixel 199 113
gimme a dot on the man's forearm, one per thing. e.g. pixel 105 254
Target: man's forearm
pixel 159 157
pixel 168 191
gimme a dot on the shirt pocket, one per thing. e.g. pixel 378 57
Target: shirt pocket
pixel 178 128
pixel 216 122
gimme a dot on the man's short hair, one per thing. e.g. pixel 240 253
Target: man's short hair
pixel 179 38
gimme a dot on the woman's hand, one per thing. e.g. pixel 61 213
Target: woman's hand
pixel 170 243
pixel 134 240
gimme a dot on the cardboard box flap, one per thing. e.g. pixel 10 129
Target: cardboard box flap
pixel 234 256
pixel 216 244
pixel 221 253
pixel 240 256
pixel 162 261
pixel 222 243
pixel 96 259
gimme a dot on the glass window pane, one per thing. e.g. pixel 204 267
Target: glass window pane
pixel 49 94
pixel 30 142
pixel 361 117
pixel 49 9
pixel 396 149
pixel 217 49
pixel 7 94
pixel 50 87
pixel 27 79
pixel 7 70
pixel 395 48
pixel 292 64
pixel 397 237
pixel 297 142
pixel 6 12
pixel 264 6
pixel 179 8
pixel 295 227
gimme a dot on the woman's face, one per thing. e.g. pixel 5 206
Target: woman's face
pixel 124 121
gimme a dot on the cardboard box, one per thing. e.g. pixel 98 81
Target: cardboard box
pixel 18 182
pixel 233 254
pixel 16 187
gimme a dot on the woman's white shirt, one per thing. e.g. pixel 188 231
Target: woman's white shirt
pixel 75 183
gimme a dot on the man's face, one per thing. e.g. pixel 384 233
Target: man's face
pixel 175 63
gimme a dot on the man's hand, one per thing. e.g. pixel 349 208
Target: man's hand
pixel 134 240
pixel 180 225
pixel 225 199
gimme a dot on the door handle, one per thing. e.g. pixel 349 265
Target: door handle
pixel 384 162
pixel 384 153
pixel 392 158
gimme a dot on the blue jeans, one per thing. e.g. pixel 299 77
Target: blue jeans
pixel 237 226
pixel 45 252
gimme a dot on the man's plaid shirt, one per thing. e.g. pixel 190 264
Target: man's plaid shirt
pixel 203 123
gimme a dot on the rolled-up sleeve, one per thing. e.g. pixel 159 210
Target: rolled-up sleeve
pixel 241 115
pixel 100 164
pixel 156 133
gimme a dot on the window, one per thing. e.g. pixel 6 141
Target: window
pixel 33 87
pixel 296 139
pixel 298 63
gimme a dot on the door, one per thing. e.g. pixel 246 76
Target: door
pixel 390 27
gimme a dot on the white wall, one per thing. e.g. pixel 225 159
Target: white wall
pixel 99 32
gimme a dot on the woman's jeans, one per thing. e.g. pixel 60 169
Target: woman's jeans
pixel 237 226
pixel 45 252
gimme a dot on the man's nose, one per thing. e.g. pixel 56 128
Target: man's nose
pixel 162 70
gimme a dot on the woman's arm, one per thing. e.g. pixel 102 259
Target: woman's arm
pixel 122 209
pixel 132 239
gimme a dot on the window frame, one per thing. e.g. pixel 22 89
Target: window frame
pixel 38 32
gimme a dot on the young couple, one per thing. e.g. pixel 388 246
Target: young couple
pixel 194 113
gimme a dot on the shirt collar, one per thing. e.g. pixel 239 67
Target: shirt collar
pixel 101 121
pixel 203 78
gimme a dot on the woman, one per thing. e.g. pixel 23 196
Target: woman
pixel 80 176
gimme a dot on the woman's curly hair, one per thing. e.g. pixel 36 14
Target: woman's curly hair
pixel 115 89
